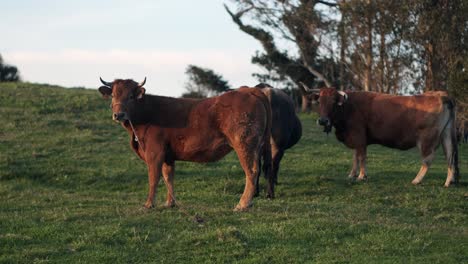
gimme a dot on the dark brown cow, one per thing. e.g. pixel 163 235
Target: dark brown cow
pixel 286 127
pixel 165 129
pixel 401 122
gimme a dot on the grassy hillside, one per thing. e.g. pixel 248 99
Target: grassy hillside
pixel 71 190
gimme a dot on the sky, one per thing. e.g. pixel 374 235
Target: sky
pixel 73 43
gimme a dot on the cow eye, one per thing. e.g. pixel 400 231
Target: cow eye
pixel 132 96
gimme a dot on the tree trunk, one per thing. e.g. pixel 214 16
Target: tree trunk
pixel 429 67
pixel 382 87
pixel 368 64
pixel 305 104
pixel 342 36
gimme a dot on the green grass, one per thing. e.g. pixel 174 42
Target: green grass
pixel 71 190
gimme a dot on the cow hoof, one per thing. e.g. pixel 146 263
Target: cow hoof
pixel 170 204
pixel 240 208
pixel 451 183
pixel 148 205
pixel 360 179
pixel 270 196
pixel 414 182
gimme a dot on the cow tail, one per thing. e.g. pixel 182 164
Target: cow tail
pixel 453 132
pixel 453 157
pixel 267 160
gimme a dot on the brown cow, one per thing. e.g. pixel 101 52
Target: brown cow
pixel 401 122
pixel 165 129
pixel 286 126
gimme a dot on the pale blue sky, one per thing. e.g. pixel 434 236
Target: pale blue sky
pixel 72 43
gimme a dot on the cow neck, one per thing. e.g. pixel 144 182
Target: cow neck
pixel 339 115
pixel 163 111
pixel 138 134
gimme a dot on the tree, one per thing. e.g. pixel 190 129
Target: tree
pixel 398 47
pixel 441 36
pixel 8 73
pixel 375 47
pixel 298 23
pixel 204 83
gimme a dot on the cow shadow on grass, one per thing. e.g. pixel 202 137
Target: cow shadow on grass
pixel 323 182
pixel 51 172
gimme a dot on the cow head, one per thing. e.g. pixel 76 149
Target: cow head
pixel 329 100
pixel 125 96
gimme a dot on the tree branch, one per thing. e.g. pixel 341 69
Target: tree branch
pixel 296 71
pixel 327 3
pixel 314 72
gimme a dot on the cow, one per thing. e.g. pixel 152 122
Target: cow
pixel 286 127
pixel 163 130
pixel 401 122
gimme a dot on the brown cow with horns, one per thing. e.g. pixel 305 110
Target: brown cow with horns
pixel 165 129
pixel 402 122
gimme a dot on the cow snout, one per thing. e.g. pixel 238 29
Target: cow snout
pixel 121 116
pixel 323 121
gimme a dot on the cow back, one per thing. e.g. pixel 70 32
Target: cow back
pixel 286 126
pixel 392 121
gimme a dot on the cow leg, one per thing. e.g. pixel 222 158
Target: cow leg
pixel 361 157
pixel 154 174
pixel 277 155
pixel 450 148
pixel 353 172
pixel 251 166
pixel 168 174
pixel 428 153
pixel 257 184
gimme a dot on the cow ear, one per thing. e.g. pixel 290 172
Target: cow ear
pixel 141 92
pixel 106 91
pixel 342 97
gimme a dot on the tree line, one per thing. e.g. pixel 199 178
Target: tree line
pixel 396 47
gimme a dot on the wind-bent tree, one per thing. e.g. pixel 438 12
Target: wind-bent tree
pixel 204 83
pixel 8 73
pixel 299 23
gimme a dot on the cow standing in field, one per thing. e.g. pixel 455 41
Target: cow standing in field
pixel 402 122
pixel 286 127
pixel 165 129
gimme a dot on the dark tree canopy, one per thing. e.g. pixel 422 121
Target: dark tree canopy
pixel 8 73
pixel 204 83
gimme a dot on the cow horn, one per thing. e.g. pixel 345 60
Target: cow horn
pixel 105 83
pixel 309 90
pixel 343 94
pixel 142 83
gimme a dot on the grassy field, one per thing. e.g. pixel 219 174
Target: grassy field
pixel 71 190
